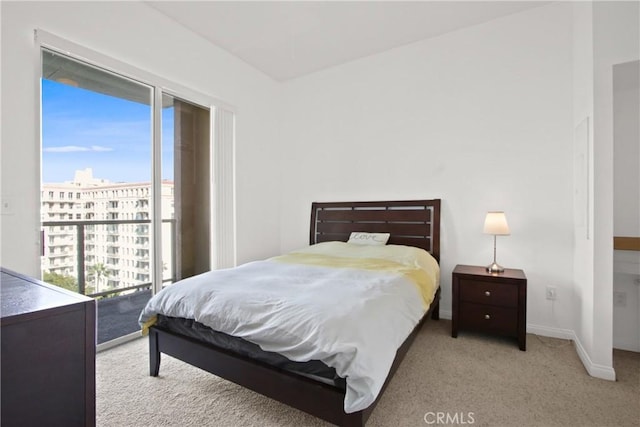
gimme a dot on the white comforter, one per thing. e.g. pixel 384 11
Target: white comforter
pixel 349 318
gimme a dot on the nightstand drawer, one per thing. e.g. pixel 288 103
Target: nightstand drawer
pixel 487 318
pixel 482 292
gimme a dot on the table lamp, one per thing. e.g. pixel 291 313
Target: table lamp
pixel 496 223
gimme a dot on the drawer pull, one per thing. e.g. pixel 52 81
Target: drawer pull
pixel 487 317
pixel 487 293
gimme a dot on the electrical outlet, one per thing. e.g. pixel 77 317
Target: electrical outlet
pixel 619 299
pixel 551 293
pixel 6 206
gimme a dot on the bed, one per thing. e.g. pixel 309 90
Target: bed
pixel 311 386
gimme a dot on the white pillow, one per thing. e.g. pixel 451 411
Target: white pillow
pixel 373 239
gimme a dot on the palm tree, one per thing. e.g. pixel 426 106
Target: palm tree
pixel 97 273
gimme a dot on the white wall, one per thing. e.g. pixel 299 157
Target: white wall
pixel 139 35
pixel 626 149
pixel 481 118
pixel 605 34
pixel 583 110
pixel 616 35
pixel 626 202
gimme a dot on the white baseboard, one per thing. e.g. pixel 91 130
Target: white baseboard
pixel 595 370
pixel 546 331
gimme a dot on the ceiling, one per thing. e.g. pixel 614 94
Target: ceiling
pixel 289 39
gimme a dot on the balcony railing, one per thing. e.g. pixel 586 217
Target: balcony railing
pixel 111 228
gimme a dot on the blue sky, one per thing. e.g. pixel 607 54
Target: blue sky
pixel 84 129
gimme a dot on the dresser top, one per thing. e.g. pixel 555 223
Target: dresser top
pixel 21 295
pixel 509 273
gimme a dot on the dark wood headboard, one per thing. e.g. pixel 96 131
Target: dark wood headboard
pixel 410 222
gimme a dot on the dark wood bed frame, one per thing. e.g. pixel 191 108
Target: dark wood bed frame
pixel 412 223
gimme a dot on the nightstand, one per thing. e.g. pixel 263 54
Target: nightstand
pixel 490 303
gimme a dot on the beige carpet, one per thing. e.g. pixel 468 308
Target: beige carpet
pixel 482 381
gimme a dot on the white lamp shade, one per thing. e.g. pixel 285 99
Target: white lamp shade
pixel 496 223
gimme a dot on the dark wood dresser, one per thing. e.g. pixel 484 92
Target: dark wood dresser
pixel 47 365
pixel 494 303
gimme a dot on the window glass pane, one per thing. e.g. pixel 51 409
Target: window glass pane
pixel 96 158
pixel 186 213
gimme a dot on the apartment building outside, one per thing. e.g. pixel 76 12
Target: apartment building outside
pixel 107 225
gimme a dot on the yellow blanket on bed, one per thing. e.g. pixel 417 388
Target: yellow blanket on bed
pixel 423 281
pixel 146 325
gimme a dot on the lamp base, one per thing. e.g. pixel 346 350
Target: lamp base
pixel 495 268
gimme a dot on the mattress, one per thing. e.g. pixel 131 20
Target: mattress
pixel 314 369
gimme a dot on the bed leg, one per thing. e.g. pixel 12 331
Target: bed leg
pixel 435 313
pixel 154 354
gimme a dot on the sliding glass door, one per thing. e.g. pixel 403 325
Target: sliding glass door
pixel 125 209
